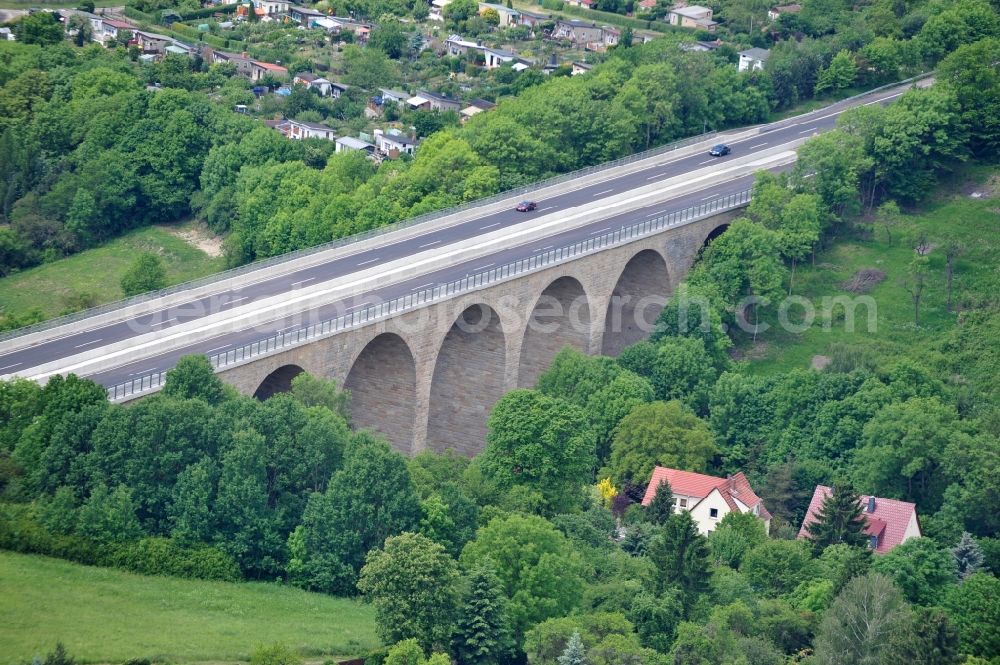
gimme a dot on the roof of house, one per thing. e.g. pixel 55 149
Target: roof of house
pixel 481 104
pixel 393 94
pixel 178 50
pixel 520 66
pixel 698 485
pixel 352 142
pixel 400 139
pixel 535 15
pixel 499 8
pixel 577 23
pixel 787 9
pixel 691 11
pixel 270 66
pixel 114 23
pixel 888 521
pixel 153 35
pixel 502 53
pixel 647 4
pixel 306 11
pixel 756 53
pixel 417 100
pixel 311 125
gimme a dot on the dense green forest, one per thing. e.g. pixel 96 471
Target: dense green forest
pixel 87 151
pixel 536 549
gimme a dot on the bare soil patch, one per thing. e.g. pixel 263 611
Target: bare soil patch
pixel 198 235
pixel 819 363
pixel 755 352
pixel 865 280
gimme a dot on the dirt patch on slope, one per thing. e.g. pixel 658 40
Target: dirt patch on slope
pixel 864 280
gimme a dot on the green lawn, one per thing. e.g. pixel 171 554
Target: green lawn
pixel 92 277
pixel 975 221
pixel 104 615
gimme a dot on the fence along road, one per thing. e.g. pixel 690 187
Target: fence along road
pixel 767 136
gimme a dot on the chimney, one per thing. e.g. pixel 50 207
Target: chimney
pixel 871 504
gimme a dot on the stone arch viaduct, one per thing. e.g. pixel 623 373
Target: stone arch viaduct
pixel 426 379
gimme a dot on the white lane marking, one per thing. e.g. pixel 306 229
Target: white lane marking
pixel 654 177
pixel 144 372
pixel 485 266
pixel 153 325
pixel 278 307
pixel 546 208
pixel 653 214
pixel 885 98
pixel 236 300
pixel 423 286
pixel 710 196
pixel 594 233
pixel 707 161
pixel 288 328
pixel 429 244
pixel 542 249
pixel 363 263
pixel 218 348
pixel 606 191
pixel 93 341
pixel 759 145
pixel 9 366
pixel 490 226
pixel 806 131
pixel 303 281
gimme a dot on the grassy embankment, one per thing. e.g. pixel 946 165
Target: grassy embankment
pixel 952 209
pixel 104 615
pixel 96 273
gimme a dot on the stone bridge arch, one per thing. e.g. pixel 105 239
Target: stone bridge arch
pixel 559 317
pixel 383 385
pixel 468 379
pixel 640 293
pixel 715 233
pixel 278 381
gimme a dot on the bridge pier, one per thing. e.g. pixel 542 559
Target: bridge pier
pixel 426 379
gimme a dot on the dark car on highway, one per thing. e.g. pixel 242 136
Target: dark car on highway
pixel 719 150
pixel 526 206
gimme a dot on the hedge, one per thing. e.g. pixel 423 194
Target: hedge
pixel 208 12
pixel 21 532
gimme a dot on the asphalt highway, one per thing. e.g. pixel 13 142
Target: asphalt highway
pixel 21 361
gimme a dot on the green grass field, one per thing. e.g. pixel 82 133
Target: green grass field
pixel 104 615
pixel 96 273
pixel 976 222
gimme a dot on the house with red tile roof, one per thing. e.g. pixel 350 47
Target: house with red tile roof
pixel 708 498
pixel 890 522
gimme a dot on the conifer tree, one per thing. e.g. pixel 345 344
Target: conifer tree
pixel 574 653
pixel 839 519
pixel 661 508
pixel 483 634
pixel 968 556
pixel 681 556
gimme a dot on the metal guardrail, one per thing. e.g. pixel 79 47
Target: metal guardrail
pixel 444 291
pixel 358 237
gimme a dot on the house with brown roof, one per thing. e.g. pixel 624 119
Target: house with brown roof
pixel 775 13
pixel 890 522
pixel 708 498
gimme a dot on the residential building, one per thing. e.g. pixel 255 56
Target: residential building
pixel 692 16
pixel 587 4
pixel 753 58
pixel 532 19
pixel 775 13
pixel 298 130
pixel 475 107
pixel 708 498
pixel 394 145
pixel 508 16
pixel 109 29
pixel 337 89
pixel 254 70
pixel 457 46
pixel 580 68
pixel 394 96
pixel 304 16
pixel 348 143
pixel 151 42
pixel 313 82
pixel 271 8
pixel 695 47
pixel 337 24
pixel 440 102
pixel 888 522
pixel 579 32
pixel 645 6
pixel 7 35
pixel 437 9
pixel 495 57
